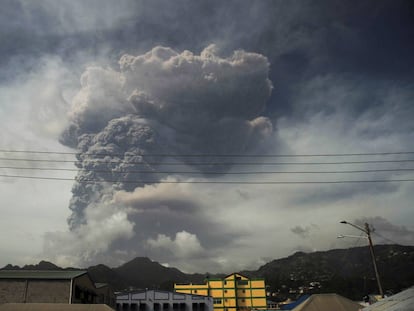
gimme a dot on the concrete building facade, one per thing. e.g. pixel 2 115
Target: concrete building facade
pixel 62 286
pixel 157 300
pixel 233 293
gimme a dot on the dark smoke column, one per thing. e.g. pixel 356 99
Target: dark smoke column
pixel 162 102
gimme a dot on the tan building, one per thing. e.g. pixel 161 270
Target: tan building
pixel 61 286
pixel 233 293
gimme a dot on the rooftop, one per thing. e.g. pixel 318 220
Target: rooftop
pixel 46 274
pixel 53 307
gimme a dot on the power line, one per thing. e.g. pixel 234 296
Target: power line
pixel 206 173
pixel 216 155
pixel 385 238
pixel 212 163
pixel 208 181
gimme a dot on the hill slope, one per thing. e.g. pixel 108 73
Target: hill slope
pixel 347 272
pixel 141 272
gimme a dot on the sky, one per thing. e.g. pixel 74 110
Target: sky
pixel 210 136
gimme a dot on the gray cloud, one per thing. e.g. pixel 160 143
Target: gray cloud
pixel 334 113
pixel 343 82
pixel 385 232
pixel 163 102
pixel 304 232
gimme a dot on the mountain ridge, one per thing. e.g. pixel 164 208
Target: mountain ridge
pixel 344 271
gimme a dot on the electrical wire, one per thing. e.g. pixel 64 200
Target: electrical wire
pixel 208 181
pixel 217 155
pixel 206 161
pixel 213 163
pixel 205 173
pixel 385 238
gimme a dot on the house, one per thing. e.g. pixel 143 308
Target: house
pixel 233 293
pixel 157 300
pixel 52 286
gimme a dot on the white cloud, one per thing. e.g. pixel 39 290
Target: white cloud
pixel 82 246
pixel 184 244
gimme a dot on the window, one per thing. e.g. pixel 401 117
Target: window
pixel 195 291
pixel 225 290
pixel 242 282
pixel 216 301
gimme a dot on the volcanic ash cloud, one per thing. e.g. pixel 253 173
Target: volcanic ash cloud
pixel 162 103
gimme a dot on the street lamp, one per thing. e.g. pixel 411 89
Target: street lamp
pixel 341 236
pixel 367 231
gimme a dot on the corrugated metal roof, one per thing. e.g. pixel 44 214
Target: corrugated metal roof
pixel 53 307
pixel 403 301
pixel 46 274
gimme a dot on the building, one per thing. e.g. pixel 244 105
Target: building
pixel 53 307
pixel 52 286
pixel 157 300
pixel 105 294
pixel 327 302
pixel 233 293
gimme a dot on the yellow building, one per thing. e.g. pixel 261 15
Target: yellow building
pixel 233 293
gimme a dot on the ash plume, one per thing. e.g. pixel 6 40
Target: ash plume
pixel 158 106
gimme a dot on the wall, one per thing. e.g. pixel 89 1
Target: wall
pixel 48 291
pixel 235 292
pixel 153 300
pixel 12 291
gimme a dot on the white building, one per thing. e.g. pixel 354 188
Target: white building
pixel 157 300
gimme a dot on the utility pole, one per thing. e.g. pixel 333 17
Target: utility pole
pixel 367 231
pixel 374 262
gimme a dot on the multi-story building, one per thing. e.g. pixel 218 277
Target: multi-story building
pixel 158 300
pixel 233 293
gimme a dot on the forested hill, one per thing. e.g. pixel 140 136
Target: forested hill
pixel 348 272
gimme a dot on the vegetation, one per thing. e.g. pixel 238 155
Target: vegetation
pixel 348 272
